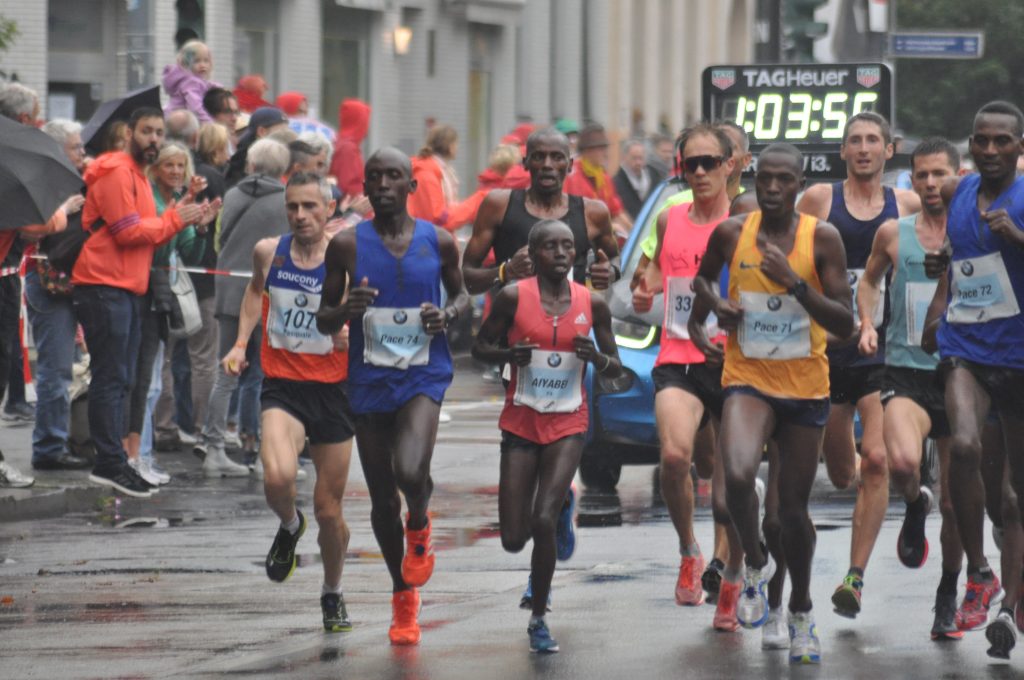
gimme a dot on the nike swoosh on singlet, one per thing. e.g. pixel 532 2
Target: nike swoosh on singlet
pixel 744 265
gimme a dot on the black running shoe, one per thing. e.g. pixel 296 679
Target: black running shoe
pixel 122 478
pixel 335 613
pixel 912 545
pixel 711 579
pixel 944 627
pixel 281 558
pixel 1002 635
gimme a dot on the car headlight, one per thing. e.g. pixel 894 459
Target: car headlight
pixel 633 334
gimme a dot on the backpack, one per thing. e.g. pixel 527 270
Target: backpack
pixel 63 248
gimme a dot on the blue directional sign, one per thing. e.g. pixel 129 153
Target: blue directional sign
pixel 937 45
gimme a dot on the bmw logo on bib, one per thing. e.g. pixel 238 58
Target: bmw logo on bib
pixel 301 300
pixel 967 269
pixel 554 361
pixel 400 317
pixel 774 303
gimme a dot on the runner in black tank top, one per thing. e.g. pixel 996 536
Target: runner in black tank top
pixel 514 231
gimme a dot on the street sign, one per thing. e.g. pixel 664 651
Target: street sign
pixel 937 45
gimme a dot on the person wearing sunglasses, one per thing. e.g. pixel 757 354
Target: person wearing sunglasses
pixel 688 388
pixel 857 207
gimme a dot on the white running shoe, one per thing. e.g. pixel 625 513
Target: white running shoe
pixel 187 439
pixel 774 633
pixel 444 417
pixel 157 471
pixel 232 440
pixel 217 464
pixel 145 471
pixel 804 646
pixel 11 478
pixel 752 608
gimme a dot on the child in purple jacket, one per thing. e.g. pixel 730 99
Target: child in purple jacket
pixel 188 80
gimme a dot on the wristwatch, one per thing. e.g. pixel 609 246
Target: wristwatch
pixel 798 289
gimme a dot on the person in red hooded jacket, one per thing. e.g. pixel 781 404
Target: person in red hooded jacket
pixel 347 162
pixel 498 174
pixel 249 92
pixel 437 186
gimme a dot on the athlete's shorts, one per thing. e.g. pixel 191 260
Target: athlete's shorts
pixel 921 387
pixel 802 412
pixel 850 384
pixel 1005 386
pixel 385 420
pixel 701 380
pixel 322 408
pixel 510 441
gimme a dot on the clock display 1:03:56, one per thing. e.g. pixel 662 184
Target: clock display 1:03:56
pixel 798 116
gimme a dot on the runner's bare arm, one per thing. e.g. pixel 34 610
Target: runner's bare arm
pixel 721 247
pixel 833 309
pixel 816 201
pixel 607 363
pixel 479 279
pixel 252 305
pixel 948 189
pixel 487 346
pixel 333 312
pixel 932 320
pixel 435 319
pixel 907 202
pixel 602 238
pixel 869 289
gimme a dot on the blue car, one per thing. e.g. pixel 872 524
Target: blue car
pixel 622 429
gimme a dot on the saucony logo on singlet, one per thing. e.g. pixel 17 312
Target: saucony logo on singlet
pixel 310 283
pixel 581 319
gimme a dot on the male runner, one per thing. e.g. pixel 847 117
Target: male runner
pixel 981 340
pixel 541 325
pixel 687 388
pixel 399 365
pixel 913 400
pixel 776 374
pixel 857 207
pixel 303 392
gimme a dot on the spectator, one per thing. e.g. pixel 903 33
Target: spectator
pixel 437 185
pixel 296 107
pixel 254 209
pixel 188 80
pixel 249 92
pixel 111 271
pixel 262 123
pixel 53 324
pixel 117 137
pixel 571 129
pixel 663 156
pixel 222 106
pixel 636 178
pixel 503 158
pixel 306 158
pixel 347 165
pixel 183 128
pixel 589 177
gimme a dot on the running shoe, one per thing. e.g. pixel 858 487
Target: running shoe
pixel 565 531
pixel 774 632
pixel 725 610
pixel 1018 611
pixel 405 608
pixel 541 641
pixel 1002 635
pixel 11 478
pixel 804 646
pixel 145 470
pixel 752 608
pixel 981 595
pixel 418 563
pixel 281 559
pixel 711 579
pixel 689 591
pixel 912 544
pixel 846 599
pixel 526 601
pixel 121 478
pixel 335 614
pixel 944 627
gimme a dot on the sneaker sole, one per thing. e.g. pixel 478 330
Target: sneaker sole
pixel 103 481
pixel 548 650
pixel 773 646
pixel 339 629
pixel 806 659
pixel 906 562
pixel 845 604
pixel 951 636
pixel 1001 639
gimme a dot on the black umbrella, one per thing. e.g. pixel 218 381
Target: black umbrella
pixel 114 110
pixel 35 175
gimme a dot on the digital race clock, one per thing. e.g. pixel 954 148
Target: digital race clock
pixel 803 104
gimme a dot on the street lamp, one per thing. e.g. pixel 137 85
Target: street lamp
pixel 402 36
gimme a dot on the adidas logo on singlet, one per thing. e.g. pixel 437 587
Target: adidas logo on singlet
pixel 581 319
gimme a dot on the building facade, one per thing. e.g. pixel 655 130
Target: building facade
pixel 479 65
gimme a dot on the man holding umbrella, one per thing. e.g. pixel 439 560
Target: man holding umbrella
pixel 22 215
pixel 109 275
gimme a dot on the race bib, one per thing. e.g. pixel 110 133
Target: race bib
pixel 774 327
pixel 981 291
pixel 291 322
pixel 552 383
pixel 919 295
pixel 679 299
pixel 854 276
pixel 395 338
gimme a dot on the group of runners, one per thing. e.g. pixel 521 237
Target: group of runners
pixel 782 318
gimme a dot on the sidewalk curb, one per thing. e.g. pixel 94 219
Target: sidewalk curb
pixel 48 505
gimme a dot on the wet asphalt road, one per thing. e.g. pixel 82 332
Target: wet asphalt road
pixel 174 587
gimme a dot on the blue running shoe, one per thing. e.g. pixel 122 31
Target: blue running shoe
pixel 526 601
pixel 804 646
pixel 565 531
pixel 540 638
pixel 752 608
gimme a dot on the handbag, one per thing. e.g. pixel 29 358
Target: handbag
pixel 185 318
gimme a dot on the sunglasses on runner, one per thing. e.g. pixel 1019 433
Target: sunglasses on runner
pixel 709 163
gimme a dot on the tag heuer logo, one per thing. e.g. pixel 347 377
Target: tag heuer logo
pixel 869 76
pixel 723 78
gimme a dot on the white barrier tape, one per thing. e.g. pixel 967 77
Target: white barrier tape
pixel 7 271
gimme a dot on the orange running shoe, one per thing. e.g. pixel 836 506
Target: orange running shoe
pixel 725 611
pixel 418 563
pixel 405 607
pixel 689 591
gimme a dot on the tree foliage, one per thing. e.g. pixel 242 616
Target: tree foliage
pixel 8 32
pixel 941 96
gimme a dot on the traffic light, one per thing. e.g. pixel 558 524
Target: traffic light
pixel 801 29
pixel 191 21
